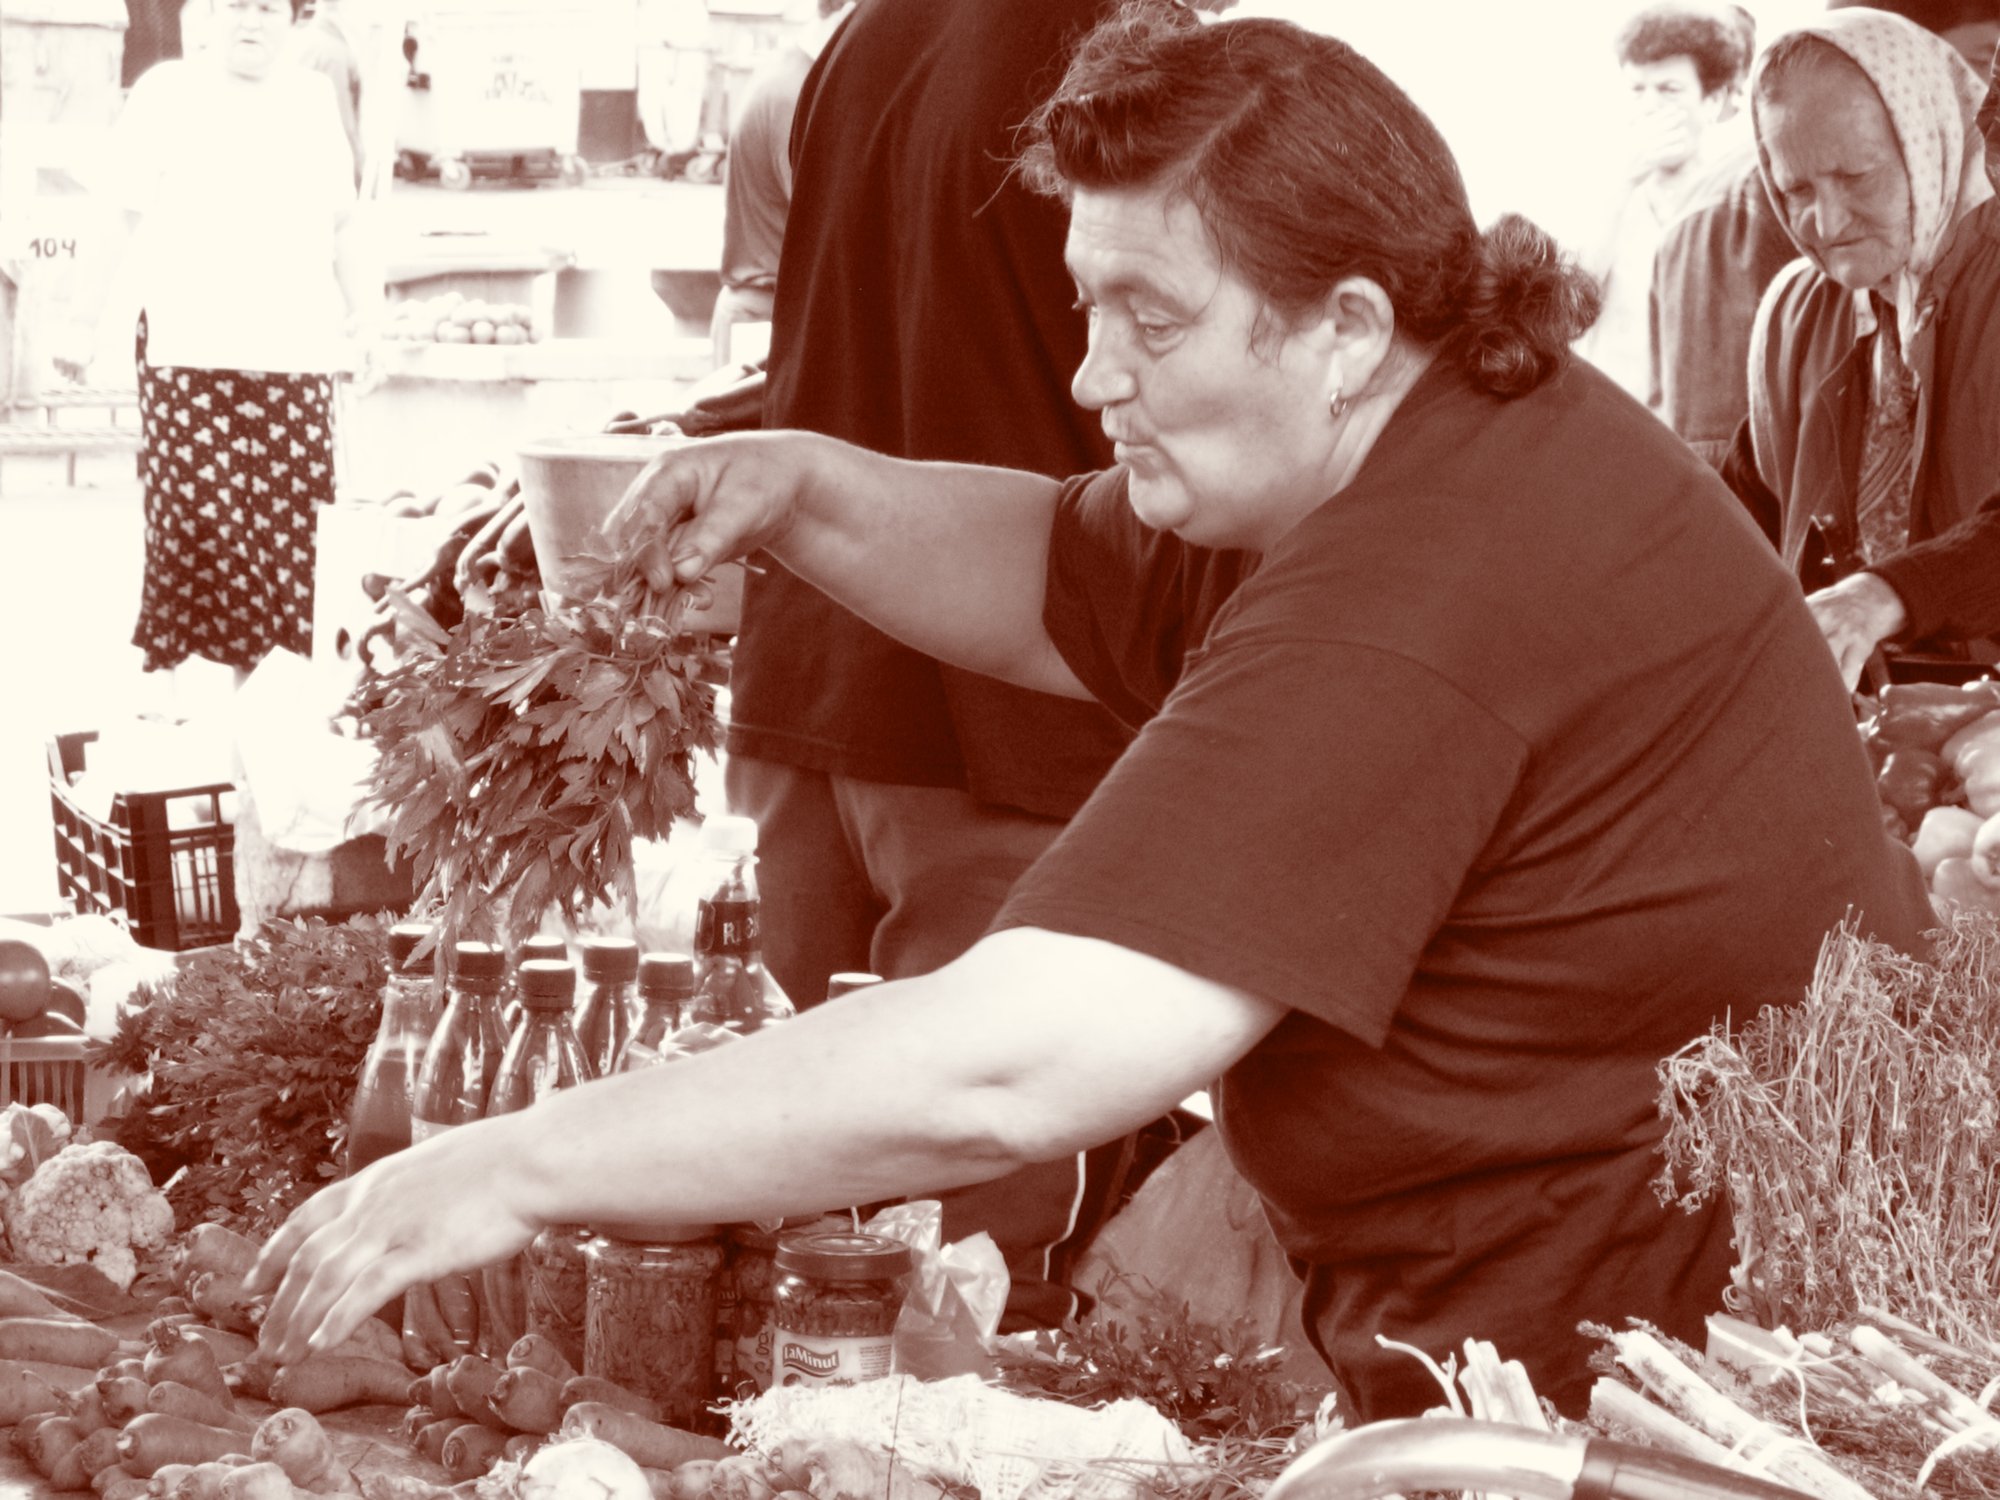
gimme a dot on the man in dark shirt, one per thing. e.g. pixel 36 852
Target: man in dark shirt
pixel 923 310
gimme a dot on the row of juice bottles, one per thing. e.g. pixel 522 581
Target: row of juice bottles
pixel 466 1035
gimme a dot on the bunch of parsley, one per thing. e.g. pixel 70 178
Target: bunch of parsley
pixel 252 1054
pixel 520 757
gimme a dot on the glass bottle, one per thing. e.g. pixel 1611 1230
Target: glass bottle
pixel 378 1122
pixel 604 1020
pixel 846 984
pixel 464 1051
pixel 731 988
pixel 666 984
pixel 543 1055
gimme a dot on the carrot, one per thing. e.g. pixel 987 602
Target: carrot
pixel 221 1300
pixel 57 1341
pixel 172 1304
pixel 21 1298
pixel 171 1398
pixel 470 1379
pixel 203 1481
pixel 374 1339
pixel 51 1442
pixel 122 1398
pixel 192 1363
pixel 164 1331
pixel 689 1481
pixel 119 1483
pixel 294 1440
pixel 414 1421
pixel 326 1382
pixel 97 1452
pixel 609 1393
pixel 433 1391
pixel 84 1406
pixel 23 1392
pixel 650 1444
pixel 166 1478
pixel 260 1481
pixel 429 1441
pixel 527 1400
pixel 230 1348
pixel 470 1449
pixel 131 1365
pixel 152 1438
pixel 521 1446
pixel 659 1482
pixel 211 1247
pixel 536 1352
pixel 252 1377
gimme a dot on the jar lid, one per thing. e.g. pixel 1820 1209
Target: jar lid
pixel 609 957
pixel 666 974
pixel 547 983
pixel 541 945
pixel 843 1257
pixel 403 940
pixel 640 1235
pixel 477 961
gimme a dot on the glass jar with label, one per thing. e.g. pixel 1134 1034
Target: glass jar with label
pixel 834 1307
pixel 649 1319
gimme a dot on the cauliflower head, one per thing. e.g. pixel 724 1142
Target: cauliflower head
pixel 92 1205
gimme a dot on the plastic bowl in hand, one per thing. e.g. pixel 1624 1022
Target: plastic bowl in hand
pixel 569 485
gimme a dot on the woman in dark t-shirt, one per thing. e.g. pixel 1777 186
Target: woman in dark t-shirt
pixel 1486 755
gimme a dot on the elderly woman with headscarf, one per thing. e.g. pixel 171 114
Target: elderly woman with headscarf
pixel 1874 432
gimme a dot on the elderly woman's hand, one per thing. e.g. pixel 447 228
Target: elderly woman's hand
pixel 1856 615
pixel 711 501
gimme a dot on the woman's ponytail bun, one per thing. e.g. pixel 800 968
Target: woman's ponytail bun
pixel 1521 305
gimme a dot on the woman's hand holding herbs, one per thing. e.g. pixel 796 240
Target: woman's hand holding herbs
pixel 711 502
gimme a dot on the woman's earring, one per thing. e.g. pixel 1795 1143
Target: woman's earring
pixel 1338 403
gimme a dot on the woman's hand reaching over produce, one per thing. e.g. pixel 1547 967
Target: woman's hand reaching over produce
pixel 438 1207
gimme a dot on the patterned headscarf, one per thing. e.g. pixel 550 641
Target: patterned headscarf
pixel 1932 95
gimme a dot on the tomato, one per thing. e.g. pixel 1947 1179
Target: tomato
pixel 24 980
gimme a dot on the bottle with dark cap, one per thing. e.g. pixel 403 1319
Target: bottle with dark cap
pixel 604 1020
pixel 666 983
pixel 846 984
pixel 464 1051
pixel 378 1122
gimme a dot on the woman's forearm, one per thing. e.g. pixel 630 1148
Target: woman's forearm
pixel 948 558
pixel 1034 1046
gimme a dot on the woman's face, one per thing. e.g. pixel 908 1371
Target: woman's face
pixel 247 35
pixel 1221 423
pixel 1839 173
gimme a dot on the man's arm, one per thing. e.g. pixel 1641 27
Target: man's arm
pixel 1031 1046
pixel 950 559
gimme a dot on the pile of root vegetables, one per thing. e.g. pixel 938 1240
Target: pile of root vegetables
pixel 193 1411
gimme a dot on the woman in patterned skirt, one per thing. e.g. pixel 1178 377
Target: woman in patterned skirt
pixel 235 191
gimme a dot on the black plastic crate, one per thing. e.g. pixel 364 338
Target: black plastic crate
pixel 174 888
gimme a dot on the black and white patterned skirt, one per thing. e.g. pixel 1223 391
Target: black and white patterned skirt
pixel 234 465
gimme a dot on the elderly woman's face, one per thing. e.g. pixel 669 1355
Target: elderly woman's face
pixel 1222 431
pixel 1839 173
pixel 249 34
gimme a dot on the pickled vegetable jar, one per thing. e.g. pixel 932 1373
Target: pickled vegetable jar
pixel 834 1307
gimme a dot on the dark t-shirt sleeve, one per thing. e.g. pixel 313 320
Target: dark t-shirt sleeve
pixel 1124 604
pixel 1296 823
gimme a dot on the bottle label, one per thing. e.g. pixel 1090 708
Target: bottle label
pixel 726 929
pixel 803 1359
